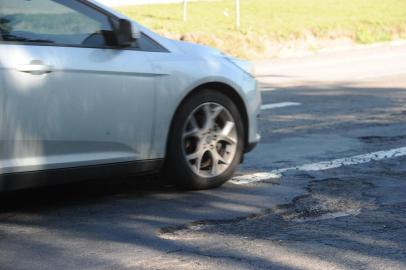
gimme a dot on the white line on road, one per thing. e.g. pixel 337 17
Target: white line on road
pixel 321 166
pixel 268 89
pixel 279 105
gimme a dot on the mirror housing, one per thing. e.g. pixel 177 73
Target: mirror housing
pixel 124 33
pixel 136 31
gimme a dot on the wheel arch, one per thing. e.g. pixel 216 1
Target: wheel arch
pixel 230 92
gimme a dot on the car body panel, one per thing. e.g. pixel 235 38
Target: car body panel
pixel 90 109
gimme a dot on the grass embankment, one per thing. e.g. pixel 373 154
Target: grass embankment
pixel 266 24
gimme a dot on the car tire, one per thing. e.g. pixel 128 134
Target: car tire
pixel 206 141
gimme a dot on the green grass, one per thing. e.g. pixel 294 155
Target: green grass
pixel 268 21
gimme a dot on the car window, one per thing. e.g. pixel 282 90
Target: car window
pixel 54 22
pixel 147 44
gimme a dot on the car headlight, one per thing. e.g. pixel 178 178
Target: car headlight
pixel 244 65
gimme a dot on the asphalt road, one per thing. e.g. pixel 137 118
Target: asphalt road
pixel 344 209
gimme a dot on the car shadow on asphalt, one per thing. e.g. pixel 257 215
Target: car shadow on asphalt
pixel 77 193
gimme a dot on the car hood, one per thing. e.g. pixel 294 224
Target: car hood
pixel 196 49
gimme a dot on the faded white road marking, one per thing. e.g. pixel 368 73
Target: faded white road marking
pixel 321 166
pixel 268 89
pixel 279 105
pixel 255 177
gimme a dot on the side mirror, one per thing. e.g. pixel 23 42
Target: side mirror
pixel 136 31
pixel 124 34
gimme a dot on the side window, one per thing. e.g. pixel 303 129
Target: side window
pixel 145 43
pixel 55 22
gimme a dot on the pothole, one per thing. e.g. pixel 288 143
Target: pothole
pixel 172 232
pixel 348 212
pixel 327 199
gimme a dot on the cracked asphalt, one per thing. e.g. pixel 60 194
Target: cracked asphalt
pixel 352 217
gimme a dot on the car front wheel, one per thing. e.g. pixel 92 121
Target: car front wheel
pixel 206 141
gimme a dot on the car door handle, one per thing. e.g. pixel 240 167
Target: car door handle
pixel 35 68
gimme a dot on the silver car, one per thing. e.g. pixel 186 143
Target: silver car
pixel 86 92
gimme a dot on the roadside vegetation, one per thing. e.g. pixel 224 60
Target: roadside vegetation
pixel 268 27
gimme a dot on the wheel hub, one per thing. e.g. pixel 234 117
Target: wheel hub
pixel 209 139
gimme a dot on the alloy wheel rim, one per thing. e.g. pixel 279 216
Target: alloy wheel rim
pixel 210 140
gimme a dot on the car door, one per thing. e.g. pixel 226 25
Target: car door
pixel 73 99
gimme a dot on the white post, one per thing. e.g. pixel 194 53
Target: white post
pixel 184 10
pixel 238 14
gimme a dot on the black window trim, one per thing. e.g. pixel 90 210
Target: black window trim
pixel 110 16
